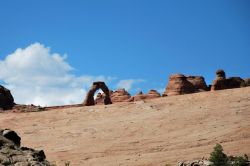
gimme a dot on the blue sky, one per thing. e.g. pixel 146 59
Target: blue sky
pixel 117 40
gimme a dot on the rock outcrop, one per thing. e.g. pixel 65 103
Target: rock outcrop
pixel 221 82
pixel 153 94
pixel 150 95
pixel 247 82
pixel 12 154
pixel 6 99
pixel 139 96
pixel 89 100
pixel 100 98
pixel 198 82
pixel 232 160
pixel 235 82
pixel 202 162
pixel 120 95
pixel 180 84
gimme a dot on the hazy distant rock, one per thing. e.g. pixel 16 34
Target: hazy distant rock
pixel 27 108
pixel 221 82
pixel 180 84
pixel 89 100
pixel 13 155
pixel 150 95
pixel 247 82
pixel 6 99
pixel 153 94
pixel 120 95
pixel 139 96
pixel 100 98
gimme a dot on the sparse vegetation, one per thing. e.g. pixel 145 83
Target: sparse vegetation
pixel 240 161
pixel 219 158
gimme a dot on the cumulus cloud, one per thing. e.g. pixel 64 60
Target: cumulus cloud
pixel 128 83
pixel 36 76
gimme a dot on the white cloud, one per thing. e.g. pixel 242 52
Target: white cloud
pixel 128 83
pixel 36 76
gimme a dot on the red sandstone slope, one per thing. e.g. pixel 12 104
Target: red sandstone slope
pixel 154 132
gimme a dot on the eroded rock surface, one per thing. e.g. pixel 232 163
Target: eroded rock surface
pixel 12 154
pixel 89 100
pixel 202 162
pixel 6 99
pixel 198 82
pixel 221 82
pixel 99 98
pixel 139 96
pixel 180 84
pixel 120 95
pixel 150 95
pixel 247 82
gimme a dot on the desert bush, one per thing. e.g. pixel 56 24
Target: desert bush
pixel 217 157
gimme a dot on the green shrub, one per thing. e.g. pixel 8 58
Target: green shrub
pixel 217 157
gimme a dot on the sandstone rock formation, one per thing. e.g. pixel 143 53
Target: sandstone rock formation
pixel 235 82
pixel 89 100
pixel 27 108
pixel 202 162
pixel 150 95
pixel 198 82
pixel 221 74
pixel 100 98
pixel 180 84
pixel 221 82
pixel 6 99
pixel 120 95
pixel 13 155
pixel 139 96
pixel 12 136
pixel 247 82
pixel 153 94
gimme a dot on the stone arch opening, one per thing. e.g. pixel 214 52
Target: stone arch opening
pixel 89 100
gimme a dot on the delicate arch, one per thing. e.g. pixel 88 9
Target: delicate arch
pixel 89 100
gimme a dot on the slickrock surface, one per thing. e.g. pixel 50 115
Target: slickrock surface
pixel 151 133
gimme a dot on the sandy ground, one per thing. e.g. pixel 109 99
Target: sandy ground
pixel 152 133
